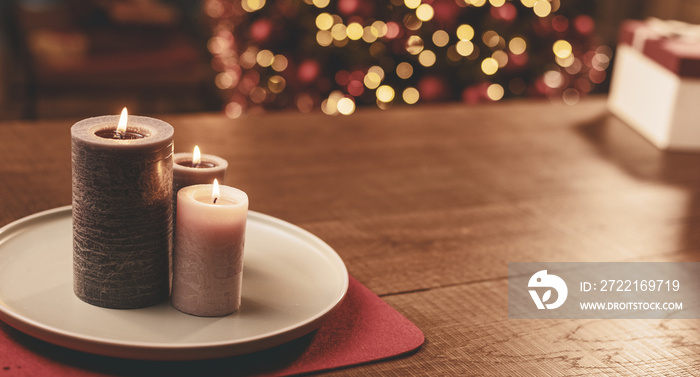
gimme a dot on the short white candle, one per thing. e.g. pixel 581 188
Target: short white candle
pixel 208 254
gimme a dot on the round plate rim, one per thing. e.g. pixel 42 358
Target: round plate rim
pixel 166 351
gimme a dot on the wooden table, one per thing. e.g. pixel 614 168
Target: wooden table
pixel 426 205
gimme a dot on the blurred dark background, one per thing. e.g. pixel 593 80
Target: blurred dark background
pixel 76 58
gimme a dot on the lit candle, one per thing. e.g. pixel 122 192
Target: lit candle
pixel 196 168
pixel 208 254
pixel 122 210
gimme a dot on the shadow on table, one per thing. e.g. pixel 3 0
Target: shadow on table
pixel 623 147
pixel 267 362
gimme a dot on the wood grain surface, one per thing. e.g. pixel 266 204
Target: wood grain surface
pixel 426 205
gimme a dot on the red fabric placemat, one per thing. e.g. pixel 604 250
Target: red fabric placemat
pixel 363 329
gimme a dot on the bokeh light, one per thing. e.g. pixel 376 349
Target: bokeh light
pixel 427 58
pixel 425 12
pixel 337 56
pixel 410 95
pixel 355 31
pixel 385 93
pixel 542 8
pixel 324 21
pixel 562 49
pixel 489 66
pixel 404 70
pixel 495 92
pixel 346 106
pixel 414 45
pixel 441 38
pixel 465 32
pixel 517 45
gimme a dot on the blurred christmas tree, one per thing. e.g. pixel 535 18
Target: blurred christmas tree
pixel 337 55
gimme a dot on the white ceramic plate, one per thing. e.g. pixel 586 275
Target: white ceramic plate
pixel 291 281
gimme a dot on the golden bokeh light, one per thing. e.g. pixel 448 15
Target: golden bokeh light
pixel 385 93
pixel 497 3
pixel 562 49
pixel 339 32
pixel 501 57
pixel 264 58
pixel 528 3
pixel 427 58
pixel 425 12
pixel 410 95
pixel 542 8
pixel 252 5
pixel 324 21
pixel 404 70
pixel 441 38
pixel 379 71
pixel 355 31
pixel 324 38
pixel 464 48
pixel 276 84
pixel 346 106
pixel 517 45
pixel 414 45
pixel 372 80
pixel 489 66
pixel 491 38
pixel 369 34
pixel 411 22
pixel 329 106
pixel 566 62
pixel 477 3
pixel 380 27
pixel 321 3
pixel 412 4
pixel 279 63
pixel 495 92
pixel 465 32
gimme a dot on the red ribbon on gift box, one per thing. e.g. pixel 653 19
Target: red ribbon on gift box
pixel 674 45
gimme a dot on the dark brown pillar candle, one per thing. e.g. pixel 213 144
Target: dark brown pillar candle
pixel 122 211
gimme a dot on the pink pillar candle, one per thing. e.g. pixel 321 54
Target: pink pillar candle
pixel 208 254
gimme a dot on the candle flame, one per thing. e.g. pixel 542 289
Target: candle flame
pixel 215 191
pixel 196 156
pixel 121 127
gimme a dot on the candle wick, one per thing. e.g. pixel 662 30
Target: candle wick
pixel 118 135
pixel 215 200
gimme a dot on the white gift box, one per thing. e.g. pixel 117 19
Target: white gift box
pixel 655 85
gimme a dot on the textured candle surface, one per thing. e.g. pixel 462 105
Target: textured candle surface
pixel 185 175
pixel 122 213
pixel 208 255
